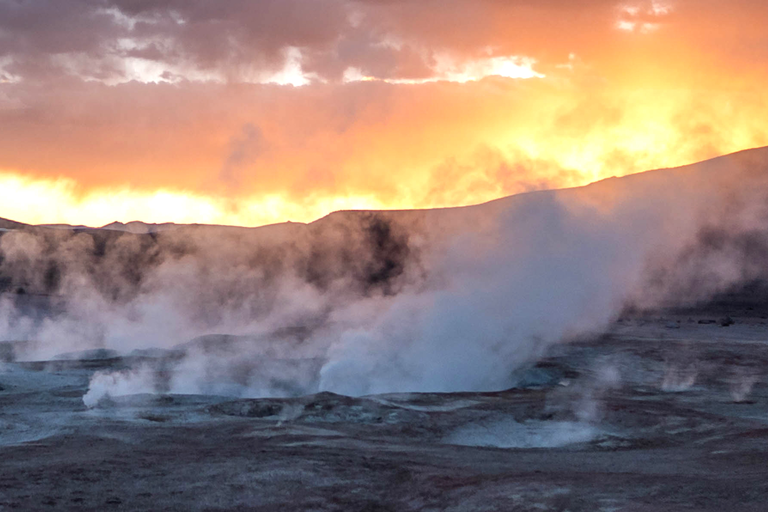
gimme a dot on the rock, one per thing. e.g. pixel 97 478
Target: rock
pixel 726 322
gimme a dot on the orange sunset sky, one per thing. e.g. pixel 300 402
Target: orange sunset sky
pixel 250 112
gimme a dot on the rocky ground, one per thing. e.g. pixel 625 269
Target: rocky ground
pixel 666 412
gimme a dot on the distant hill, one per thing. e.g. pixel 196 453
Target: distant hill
pixel 140 228
pixel 10 224
pixel 688 179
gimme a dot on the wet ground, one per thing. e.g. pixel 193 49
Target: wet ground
pixel 663 413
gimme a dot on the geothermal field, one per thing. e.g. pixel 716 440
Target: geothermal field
pixel 602 348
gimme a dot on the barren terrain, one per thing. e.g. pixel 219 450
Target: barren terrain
pixel 664 413
pixel 603 348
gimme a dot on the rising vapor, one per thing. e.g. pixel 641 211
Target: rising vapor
pixel 372 302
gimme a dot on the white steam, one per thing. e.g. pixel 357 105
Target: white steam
pixel 507 433
pixel 468 297
pixel 115 384
pixel 550 273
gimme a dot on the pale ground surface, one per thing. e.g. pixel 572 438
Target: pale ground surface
pixel 658 415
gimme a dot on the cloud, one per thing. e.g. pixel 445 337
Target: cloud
pixel 367 144
pixel 123 98
pixel 239 40
pixel 244 149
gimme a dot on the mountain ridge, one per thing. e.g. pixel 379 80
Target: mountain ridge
pixel 748 158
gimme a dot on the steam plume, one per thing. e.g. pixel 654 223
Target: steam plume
pixel 363 302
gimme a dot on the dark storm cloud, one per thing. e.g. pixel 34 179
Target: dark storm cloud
pixel 203 35
pixel 381 38
pixel 385 39
pixel 238 31
pixel 51 26
pixel 34 33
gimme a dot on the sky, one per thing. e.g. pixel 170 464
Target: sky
pixel 250 112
